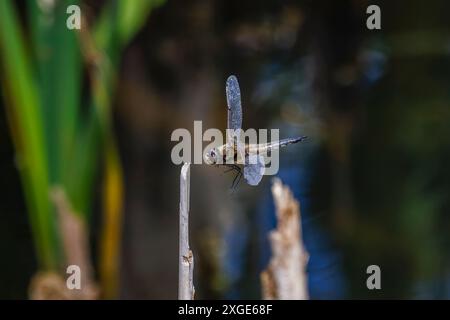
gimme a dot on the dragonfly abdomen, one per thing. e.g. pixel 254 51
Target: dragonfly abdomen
pixel 288 141
pixel 263 148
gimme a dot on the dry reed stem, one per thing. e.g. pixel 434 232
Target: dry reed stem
pixel 74 236
pixel 285 277
pixel 186 259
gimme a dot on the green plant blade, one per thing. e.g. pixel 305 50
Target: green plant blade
pixel 25 117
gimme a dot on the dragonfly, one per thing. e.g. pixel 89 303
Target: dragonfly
pixel 234 154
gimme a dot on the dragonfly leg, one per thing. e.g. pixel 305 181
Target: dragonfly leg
pixel 229 169
pixel 232 167
pixel 237 178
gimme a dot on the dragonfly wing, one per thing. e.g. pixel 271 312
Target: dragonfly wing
pixel 234 105
pixel 254 169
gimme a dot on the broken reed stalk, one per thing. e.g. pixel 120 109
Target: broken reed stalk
pixel 186 258
pixel 51 285
pixel 285 277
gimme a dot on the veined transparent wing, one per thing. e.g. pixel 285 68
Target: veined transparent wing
pixel 254 169
pixel 234 104
pixel 234 124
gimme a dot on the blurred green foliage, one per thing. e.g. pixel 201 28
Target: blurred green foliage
pixel 59 135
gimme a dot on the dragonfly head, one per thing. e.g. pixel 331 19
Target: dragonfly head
pixel 211 157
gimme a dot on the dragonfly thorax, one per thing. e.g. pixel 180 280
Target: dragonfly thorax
pixel 224 155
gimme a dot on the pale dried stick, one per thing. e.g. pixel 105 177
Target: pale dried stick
pixel 285 277
pixel 186 258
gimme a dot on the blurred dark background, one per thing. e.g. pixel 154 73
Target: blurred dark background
pixel 373 179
